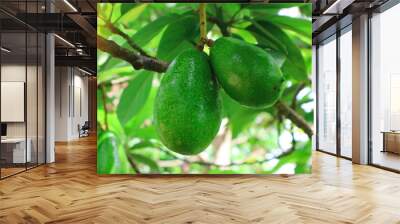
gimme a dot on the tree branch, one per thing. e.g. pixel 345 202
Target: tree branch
pixel 136 60
pixel 131 43
pixel 133 164
pixel 206 163
pixel 293 116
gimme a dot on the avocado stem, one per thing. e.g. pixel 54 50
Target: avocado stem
pixel 203 26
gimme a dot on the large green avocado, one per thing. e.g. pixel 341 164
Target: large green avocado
pixel 247 73
pixel 187 110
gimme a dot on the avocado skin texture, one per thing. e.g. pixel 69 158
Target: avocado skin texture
pixel 187 109
pixel 247 73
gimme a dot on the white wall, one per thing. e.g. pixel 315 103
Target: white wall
pixel 12 73
pixel 71 94
pixel 62 81
pixel 33 127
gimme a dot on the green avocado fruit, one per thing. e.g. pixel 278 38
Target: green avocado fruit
pixel 247 73
pixel 187 109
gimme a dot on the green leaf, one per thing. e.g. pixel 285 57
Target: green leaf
pixel 274 6
pixel 148 32
pixel 114 125
pixel 107 152
pixel 111 157
pixel 145 113
pixel 278 56
pixel 112 68
pixel 147 161
pixel 306 9
pixel 108 74
pixel 142 144
pixel 294 67
pixel 134 96
pixel 244 35
pixel 229 10
pixel 146 133
pixel 218 171
pixel 266 36
pixel 239 116
pixel 102 58
pixel 123 166
pixel 126 7
pixel 104 10
pixel 178 36
pixel 299 25
pixel 132 14
pixel 116 12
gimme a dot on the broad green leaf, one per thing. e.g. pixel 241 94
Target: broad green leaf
pixel 116 12
pixel 111 157
pixel 239 116
pixel 107 152
pixel 108 74
pixel 302 26
pixel 278 56
pixel 148 32
pixel 123 166
pixel 114 125
pixel 146 133
pixel 229 10
pixel 270 6
pixel 102 30
pixel 145 113
pixel 142 144
pixel 294 67
pixel 102 58
pixel 126 7
pixel 113 65
pixel 244 35
pixel 132 14
pixel 306 9
pixel 104 10
pixel 218 171
pixel 178 36
pixel 134 96
pixel 265 35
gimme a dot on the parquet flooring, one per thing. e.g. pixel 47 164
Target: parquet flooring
pixel 69 191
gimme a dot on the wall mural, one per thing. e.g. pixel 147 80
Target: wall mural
pixel 204 88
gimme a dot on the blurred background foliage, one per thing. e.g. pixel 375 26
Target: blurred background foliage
pixel 260 141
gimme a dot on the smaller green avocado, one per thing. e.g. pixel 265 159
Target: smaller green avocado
pixel 187 108
pixel 247 73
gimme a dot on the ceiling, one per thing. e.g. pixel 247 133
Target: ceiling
pixel 74 22
pixel 330 15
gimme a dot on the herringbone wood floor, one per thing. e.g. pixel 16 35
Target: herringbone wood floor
pixel 69 191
